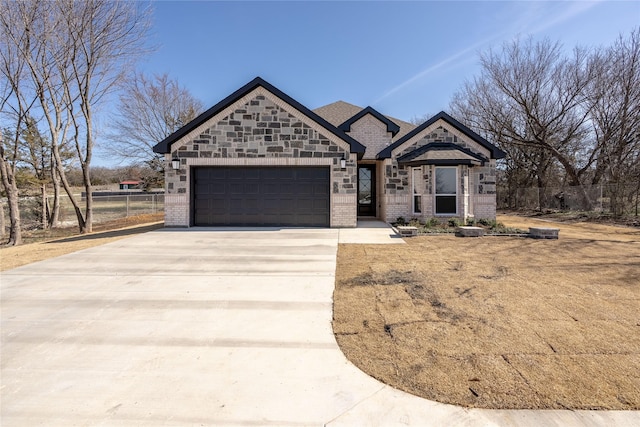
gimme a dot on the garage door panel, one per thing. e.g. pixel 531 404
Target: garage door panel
pixel 320 205
pixel 236 187
pixel 285 187
pixel 253 174
pixel 252 205
pixel 237 206
pixel 236 173
pixel 252 188
pixel 270 187
pixel 306 188
pixel 215 173
pixel 278 196
pixel 318 189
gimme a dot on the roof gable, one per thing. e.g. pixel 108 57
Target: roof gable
pixel 496 153
pixel 165 145
pixel 442 153
pixel 338 112
pixel 391 126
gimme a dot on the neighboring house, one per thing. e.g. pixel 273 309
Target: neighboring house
pixel 259 157
pixel 130 185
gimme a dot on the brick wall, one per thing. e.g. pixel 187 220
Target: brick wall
pixel 484 206
pixel 176 210
pixel 372 133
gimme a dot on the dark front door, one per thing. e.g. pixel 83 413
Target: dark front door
pixel 267 196
pixel 367 190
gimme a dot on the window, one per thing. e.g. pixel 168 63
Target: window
pixel 418 184
pixel 446 190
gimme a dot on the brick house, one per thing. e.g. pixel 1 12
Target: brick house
pixel 259 157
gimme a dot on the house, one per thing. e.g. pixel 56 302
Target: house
pixel 130 184
pixel 259 157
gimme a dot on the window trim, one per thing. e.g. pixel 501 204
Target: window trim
pixel 436 195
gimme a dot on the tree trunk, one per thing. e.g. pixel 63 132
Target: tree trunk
pixel 574 179
pixel 54 215
pixel 86 178
pixel 11 188
pixel 67 188
pixel 88 215
pixel 2 224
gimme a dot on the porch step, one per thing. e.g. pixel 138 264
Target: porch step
pixel 543 232
pixel 407 231
pixel 467 231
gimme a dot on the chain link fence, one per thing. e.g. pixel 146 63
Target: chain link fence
pixel 105 208
pixel 618 200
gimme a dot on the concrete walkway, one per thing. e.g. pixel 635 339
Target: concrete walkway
pixel 370 231
pixel 202 327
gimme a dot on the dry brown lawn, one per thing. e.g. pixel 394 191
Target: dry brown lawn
pixel 62 241
pixel 498 322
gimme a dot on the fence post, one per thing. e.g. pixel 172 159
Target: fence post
pixel 44 206
pixel 127 205
pixel 539 199
pixel 601 207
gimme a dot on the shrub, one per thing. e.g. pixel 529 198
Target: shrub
pixel 491 223
pixel 454 222
pixel 485 222
pixel 401 221
pixel 432 223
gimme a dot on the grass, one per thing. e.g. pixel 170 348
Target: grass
pixel 498 322
pixel 43 244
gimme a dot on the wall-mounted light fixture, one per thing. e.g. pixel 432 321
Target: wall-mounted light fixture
pixel 343 163
pixel 175 164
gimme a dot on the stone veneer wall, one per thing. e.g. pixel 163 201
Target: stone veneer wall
pixel 260 131
pixel 481 182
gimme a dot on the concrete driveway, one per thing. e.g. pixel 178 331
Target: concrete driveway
pixel 201 327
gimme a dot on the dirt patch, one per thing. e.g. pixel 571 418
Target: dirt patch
pixel 498 322
pixel 577 216
pixel 44 245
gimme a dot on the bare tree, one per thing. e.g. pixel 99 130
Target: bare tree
pixel 75 53
pixel 615 116
pixel 529 95
pixel 420 119
pixel 104 39
pixel 8 174
pixel 150 109
pixel 15 106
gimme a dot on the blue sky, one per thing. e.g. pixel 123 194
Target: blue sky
pixel 402 58
pixel 405 59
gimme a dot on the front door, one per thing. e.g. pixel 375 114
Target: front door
pixel 367 190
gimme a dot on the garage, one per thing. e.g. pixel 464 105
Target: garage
pixel 261 196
